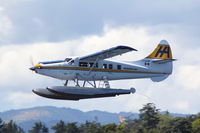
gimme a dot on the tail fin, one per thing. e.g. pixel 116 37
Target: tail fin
pixel 161 59
pixel 162 51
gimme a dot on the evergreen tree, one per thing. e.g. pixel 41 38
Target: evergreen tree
pixel 134 126
pixel 59 127
pixel 39 128
pixel 1 125
pixel 90 127
pixel 149 116
pixel 164 124
pixel 109 128
pixel 180 125
pixel 196 126
pixel 72 128
pixel 11 127
pixel 122 128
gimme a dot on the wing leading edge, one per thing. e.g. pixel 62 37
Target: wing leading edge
pixel 108 53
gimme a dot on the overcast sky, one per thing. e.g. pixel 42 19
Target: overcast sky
pixel 49 30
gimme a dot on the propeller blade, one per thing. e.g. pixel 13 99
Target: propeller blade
pixel 31 60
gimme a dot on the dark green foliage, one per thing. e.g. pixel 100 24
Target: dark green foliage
pixel 1 125
pixel 150 121
pixel 90 127
pixel 10 127
pixel 39 128
pixel 181 125
pixel 196 125
pixel 164 124
pixel 169 124
pixel 122 128
pixel 109 128
pixel 134 125
pixel 59 127
pixel 149 116
pixel 71 128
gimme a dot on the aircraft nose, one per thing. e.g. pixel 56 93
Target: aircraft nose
pixel 37 66
pixel 32 68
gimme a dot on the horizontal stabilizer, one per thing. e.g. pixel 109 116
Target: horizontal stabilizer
pixel 162 61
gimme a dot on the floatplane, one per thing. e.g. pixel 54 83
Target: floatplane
pixel 95 67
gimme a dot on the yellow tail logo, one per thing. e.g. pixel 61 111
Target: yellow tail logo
pixel 162 51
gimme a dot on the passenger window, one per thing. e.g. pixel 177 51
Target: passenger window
pixel 96 65
pixel 119 67
pixel 91 64
pixel 104 66
pixel 83 64
pixel 110 66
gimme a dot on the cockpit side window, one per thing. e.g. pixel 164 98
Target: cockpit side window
pixel 97 65
pixel 91 64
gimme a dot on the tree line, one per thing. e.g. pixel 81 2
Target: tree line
pixel 150 120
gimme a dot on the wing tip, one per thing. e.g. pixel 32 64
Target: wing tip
pixel 126 47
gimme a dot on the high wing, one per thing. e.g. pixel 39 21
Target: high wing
pixel 108 53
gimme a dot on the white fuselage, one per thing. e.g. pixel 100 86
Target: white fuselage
pixel 112 70
pixel 157 66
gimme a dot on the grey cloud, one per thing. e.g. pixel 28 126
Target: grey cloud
pixel 53 21
pixel 18 78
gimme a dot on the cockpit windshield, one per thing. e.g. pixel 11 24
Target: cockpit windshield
pixel 71 62
pixel 68 59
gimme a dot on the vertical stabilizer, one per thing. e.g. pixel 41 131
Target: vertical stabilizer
pixel 162 51
pixel 161 60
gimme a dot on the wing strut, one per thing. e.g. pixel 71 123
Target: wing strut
pixel 106 82
pixel 97 59
pixel 77 84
